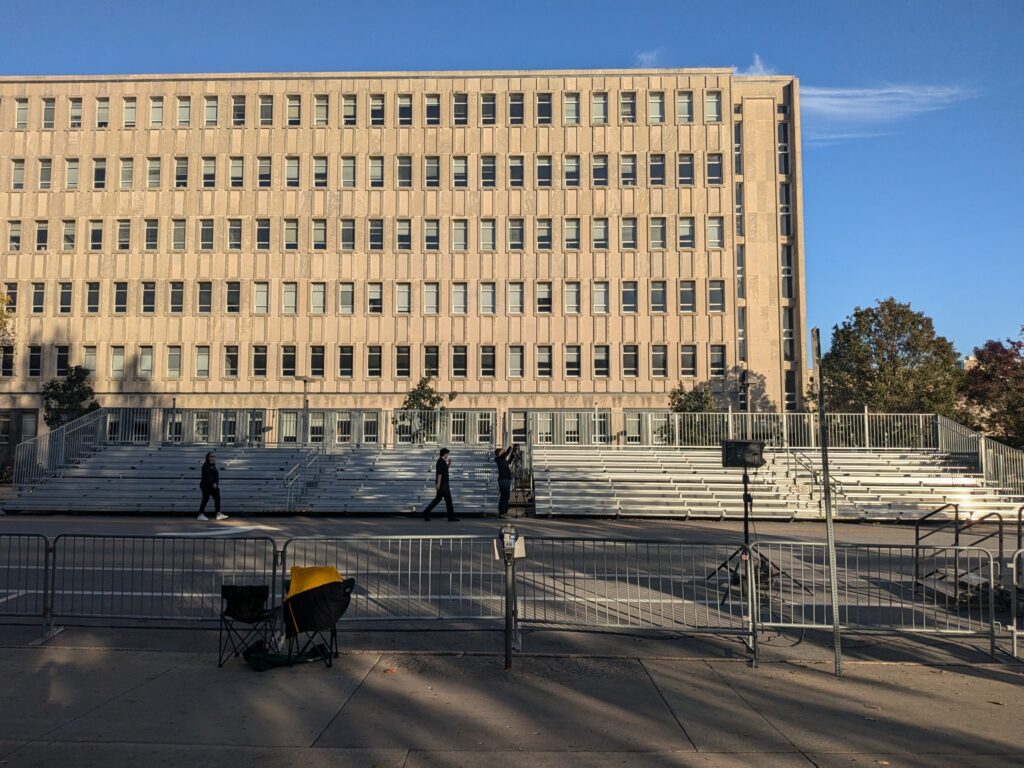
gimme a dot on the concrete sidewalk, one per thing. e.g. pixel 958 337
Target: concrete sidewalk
pixel 82 701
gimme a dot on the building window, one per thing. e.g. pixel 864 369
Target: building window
pixel 543 291
pixel 543 234
pixel 204 297
pixel 184 111
pixel 790 391
pixel 238 111
pixel 206 234
pixel 629 296
pixel 377 109
pixel 599 109
pixel 230 361
pixel 571 109
pixel 785 210
pixel 572 361
pixel 145 363
pixel 488 298
pixel 180 172
pixel 177 297
pixel 600 234
pixel 487 362
pixel 96 235
pixel 293 108
pixel 543 109
pixel 89 358
pixel 71 173
pixel 266 110
pixel 376 234
pixel 630 360
pixel 373 362
pixel 713 107
pixel 403 298
pixel 316 360
pixel 544 362
pixel 404 109
pixel 741 269
pixel 346 298
pixel 684 106
pixel 515 234
pixel 716 296
pixel 685 169
pixel 716 232
pixel 657 228
pixel 402 362
pixel 460 361
pixel 515 109
pixel 102 112
pixel 92 297
pixel 42 235
pixel 346 359
pixel 488 172
pixel 714 168
pixel 717 369
pixel 602 361
pixel 431 234
pixel 263 172
pixel 460 172
pixel 234 234
pixel 348 172
pixel 124 234
pixel 572 298
pixel 788 339
pixel 7 361
pixel 515 362
pixel 783 148
pixel 69 236
pixel 233 299
pixel 687 296
pixel 261 298
pixel 488 109
pixel 627 167
pixel 210 111
pixel 347 234
pixel 659 300
pixel 49 110
pixel 460 298
pixel 317 298
pixel 688 360
pixel 627 107
pixel 46 173
pixel 291 234
pixel 656 107
pixel 601 298
pixel 375 298
pixel 291 172
pixel 148 297
pixel 35 361
pixel 64 298
pixel 516 177
pixel 289 298
pixel 460 109
pixel 259 361
pixel 431 298
pixel 741 336
pixel 99 173
pixel 659 361
pixel 432 108
pixel 209 172
pixel 571 171
pixel 487 234
pixel 544 171
pixel 516 298
pixel 460 234
pixel 117 362
pixel 739 208
pixel 348 110
pixel 173 361
pixel 75 112
pixel 628 233
pixel 287 361
pixel 656 170
pixel 787 271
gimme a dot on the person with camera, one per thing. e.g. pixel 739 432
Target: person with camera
pixel 504 460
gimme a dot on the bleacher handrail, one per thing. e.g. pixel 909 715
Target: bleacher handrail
pixel 298 477
pixel 48 454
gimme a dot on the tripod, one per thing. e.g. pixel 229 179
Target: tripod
pixel 734 563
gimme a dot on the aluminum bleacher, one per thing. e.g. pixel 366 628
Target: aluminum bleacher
pixel 683 482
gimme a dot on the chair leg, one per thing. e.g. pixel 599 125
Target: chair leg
pixel 220 643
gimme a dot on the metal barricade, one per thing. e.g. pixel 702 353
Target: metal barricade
pixel 644 584
pixel 409 577
pixel 24 575
pixel 882 589
pixel 1016 586
pixel 156 578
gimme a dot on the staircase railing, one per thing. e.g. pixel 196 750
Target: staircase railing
pixel 1001 465
pixel 838 489
pixel 50 453
pixel 300 476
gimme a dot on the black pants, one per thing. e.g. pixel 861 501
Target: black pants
pixel 207 493
pixel 444 492
pixel 505 486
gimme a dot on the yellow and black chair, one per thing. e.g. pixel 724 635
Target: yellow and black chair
pixel 244 620
pixel 317 598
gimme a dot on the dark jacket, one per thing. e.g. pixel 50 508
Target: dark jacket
pixel 211 476
pixel 504 470
pixel 442 473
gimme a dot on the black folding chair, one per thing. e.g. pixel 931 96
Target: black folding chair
pixel 244 619
pixel 314 614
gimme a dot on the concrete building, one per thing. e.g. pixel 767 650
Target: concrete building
pixel 539 240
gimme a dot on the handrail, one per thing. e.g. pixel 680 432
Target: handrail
pixel 46 455
pixel 296 479
pixel 998 532
pixel 834 483
pixel 918 538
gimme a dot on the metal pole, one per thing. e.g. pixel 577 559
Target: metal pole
pixel 827 495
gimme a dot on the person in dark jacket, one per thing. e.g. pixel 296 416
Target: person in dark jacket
pixel 442 487
pixel 505 476
pixel 210 486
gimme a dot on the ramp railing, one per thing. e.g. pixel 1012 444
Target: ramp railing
pixel 50 453
pixel 1016 586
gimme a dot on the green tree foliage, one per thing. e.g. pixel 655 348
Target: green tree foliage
pixel 423 397
pixel 994 390
pixel 889 358
pixel 6 332
pixel 696 400
pixel 67 399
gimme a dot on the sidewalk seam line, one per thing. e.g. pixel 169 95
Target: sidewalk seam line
pixel 667 705
pixel 346 701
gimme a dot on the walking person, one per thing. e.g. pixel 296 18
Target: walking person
pixel 503 459
pixel 209 484
pixel 442 487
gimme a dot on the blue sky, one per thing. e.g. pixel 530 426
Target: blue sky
pixel 912 109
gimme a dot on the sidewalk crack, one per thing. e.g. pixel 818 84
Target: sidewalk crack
pixel 668 706
pixel 347 700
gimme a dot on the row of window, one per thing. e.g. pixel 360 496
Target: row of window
pixel 510 109
pixel 138 362
pixel 568 171
pixel 662 233
pixel 205 297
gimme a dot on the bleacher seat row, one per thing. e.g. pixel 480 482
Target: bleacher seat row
pixel 691 483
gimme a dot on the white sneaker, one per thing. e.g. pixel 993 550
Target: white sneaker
pixel 221 516
pixel 202 517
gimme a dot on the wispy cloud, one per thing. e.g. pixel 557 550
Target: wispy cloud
pixel 758 67
pixel 833 115
pixel 646 59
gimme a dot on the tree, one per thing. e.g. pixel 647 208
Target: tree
pixel 696 400
pixel 423 397
pixel 68 399
pixel 994 389
pixel 888 358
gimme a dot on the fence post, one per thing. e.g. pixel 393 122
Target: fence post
pixel 992 604
pixel 867 429
pixel 752 605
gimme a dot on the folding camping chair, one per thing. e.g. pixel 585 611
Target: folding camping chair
pixel 317 598
pixel 244 618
